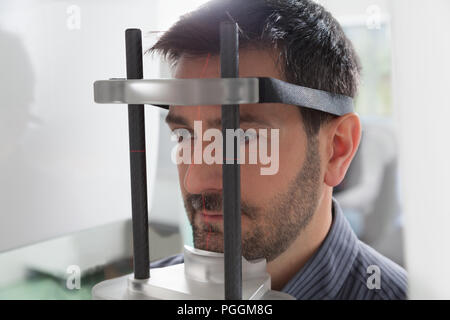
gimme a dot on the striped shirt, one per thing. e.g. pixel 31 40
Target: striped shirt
pixel 342 268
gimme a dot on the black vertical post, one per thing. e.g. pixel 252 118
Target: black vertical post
pixel 229 67
pixel 138 171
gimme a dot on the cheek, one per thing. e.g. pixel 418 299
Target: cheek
pixel 250 183
pixel 259 189
pixel 182 171
pixel 292 153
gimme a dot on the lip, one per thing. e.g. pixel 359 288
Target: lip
pixel 211 216
pixel 211 213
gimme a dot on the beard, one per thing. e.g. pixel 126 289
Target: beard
pixel 273 227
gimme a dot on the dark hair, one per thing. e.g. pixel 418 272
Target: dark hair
pixel 312 47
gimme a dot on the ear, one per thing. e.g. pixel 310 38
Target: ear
pixel 343 137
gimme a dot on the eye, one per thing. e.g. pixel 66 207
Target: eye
pixel 249 135
pixel 180 135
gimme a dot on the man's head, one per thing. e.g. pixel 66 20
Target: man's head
pixel 296 41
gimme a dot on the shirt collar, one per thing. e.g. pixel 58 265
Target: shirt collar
pixel 325 272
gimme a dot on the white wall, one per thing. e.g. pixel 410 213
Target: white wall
pixel 64 162
pixel 421 65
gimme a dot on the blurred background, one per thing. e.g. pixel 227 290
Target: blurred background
pixel 64 166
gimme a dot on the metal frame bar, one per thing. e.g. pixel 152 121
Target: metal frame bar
pixel 177 91
pixel 229 91
pixel 218 91
pixel 231 179
pixel 138 171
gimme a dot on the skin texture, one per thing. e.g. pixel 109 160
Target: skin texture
pixel 286 216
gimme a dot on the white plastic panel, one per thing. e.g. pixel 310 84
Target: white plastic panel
pixel 421 50
pixel 64 162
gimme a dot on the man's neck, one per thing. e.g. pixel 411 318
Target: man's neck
pixel 285 266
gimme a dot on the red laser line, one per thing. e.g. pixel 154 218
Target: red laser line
pixel 203 197
pixel 188 173
pixel 209 231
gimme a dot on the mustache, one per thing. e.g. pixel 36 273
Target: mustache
pixel 213 202
pixel 208 201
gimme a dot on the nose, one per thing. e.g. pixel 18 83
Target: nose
pixel 201 178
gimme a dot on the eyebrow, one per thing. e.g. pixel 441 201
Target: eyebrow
pixel 244 118
pixel 174 119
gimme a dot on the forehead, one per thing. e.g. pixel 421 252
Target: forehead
pixel 252 63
